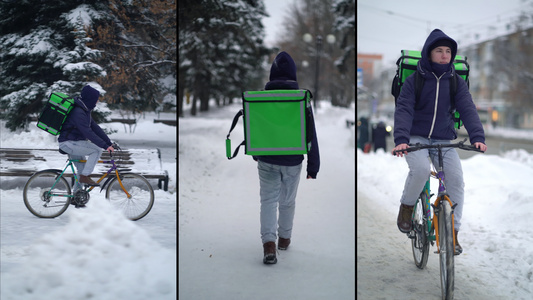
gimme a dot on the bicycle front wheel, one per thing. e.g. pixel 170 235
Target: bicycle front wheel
pixel 46 194
pixel 446 251
pixel 420 241
pixel 133 195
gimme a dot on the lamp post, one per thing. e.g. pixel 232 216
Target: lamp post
pixel 308 38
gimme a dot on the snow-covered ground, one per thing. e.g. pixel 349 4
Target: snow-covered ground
pixel 92 253
pixel 496 234
pixel 220 250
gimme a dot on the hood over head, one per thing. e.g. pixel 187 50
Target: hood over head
pixel 435 39
pixel 282 73
pixel 89 96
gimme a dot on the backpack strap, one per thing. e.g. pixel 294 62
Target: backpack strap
pixel 419 83
pixel 228 141
pixel 453 91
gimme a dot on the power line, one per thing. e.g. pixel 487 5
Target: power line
pixel 408 17
pixel 499 16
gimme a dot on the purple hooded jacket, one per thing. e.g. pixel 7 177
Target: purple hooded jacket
pixel 430 117
pixel 79 125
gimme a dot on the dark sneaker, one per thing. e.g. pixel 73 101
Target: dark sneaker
pixel 283 244
pixel 270 253
pixel 404 218
pixel 458 248
pixel 87 180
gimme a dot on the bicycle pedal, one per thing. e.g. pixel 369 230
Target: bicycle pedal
pixel 411 235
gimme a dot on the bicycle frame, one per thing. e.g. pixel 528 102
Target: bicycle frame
pixel 440 209
pixel 442 196
pixel 70 162
pixel 427 213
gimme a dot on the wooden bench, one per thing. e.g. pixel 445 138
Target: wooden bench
pixel 124 121
pixel 167 122
pixel 25 162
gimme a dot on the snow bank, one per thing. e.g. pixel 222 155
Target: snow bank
pixel 99 254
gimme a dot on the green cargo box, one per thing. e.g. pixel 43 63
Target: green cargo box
pixel 275 122
pixel 55 113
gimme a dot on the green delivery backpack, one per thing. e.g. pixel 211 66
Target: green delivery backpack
pixel 275 123
pixel 55 113
pixel 407 65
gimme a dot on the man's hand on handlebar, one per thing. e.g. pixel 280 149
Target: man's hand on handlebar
pixel 110 149
pixel 399 148
pixel 480 146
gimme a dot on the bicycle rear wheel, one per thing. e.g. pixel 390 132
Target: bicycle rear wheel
pixel 446 251
pixel 420 242
pixel 43 201
pixel 141 198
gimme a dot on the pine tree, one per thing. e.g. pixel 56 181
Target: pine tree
pixel 44 50
pixel 221 49
pixel 344 25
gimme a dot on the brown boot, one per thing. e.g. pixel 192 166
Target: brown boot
pixel 404 218
pixel 87 180
pixel 283 244
pixel 270 253
pixel 458 248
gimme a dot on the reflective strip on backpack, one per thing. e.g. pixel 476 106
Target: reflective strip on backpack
pixel 280 96
pixel 63 100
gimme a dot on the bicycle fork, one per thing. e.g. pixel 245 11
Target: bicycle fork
pixel 436 209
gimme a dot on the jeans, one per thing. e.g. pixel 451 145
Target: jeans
pixel 278 185
pixel 419 170
pixel 79 150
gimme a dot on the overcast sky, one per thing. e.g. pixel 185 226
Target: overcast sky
pixel 388 26
pixel 277 9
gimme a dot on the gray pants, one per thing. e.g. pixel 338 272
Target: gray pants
pixel 278 185
pixel 419 170
pixel 79 150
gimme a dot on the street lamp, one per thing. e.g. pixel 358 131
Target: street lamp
pixel 308 38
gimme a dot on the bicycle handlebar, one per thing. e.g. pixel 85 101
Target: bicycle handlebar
pixel 418 146
pixel 116 147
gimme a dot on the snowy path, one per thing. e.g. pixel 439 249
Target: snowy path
pixel 220 251
pixel 496 235
pixel 385 266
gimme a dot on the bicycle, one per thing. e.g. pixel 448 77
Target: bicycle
pixel 47 194
pixel 437 225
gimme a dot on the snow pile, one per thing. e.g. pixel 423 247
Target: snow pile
pixel 99 254
pixel 496 234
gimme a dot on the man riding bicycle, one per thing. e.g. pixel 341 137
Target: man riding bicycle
pixel 81 136
pixel 429 121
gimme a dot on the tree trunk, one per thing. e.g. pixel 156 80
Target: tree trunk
pixel 181 93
